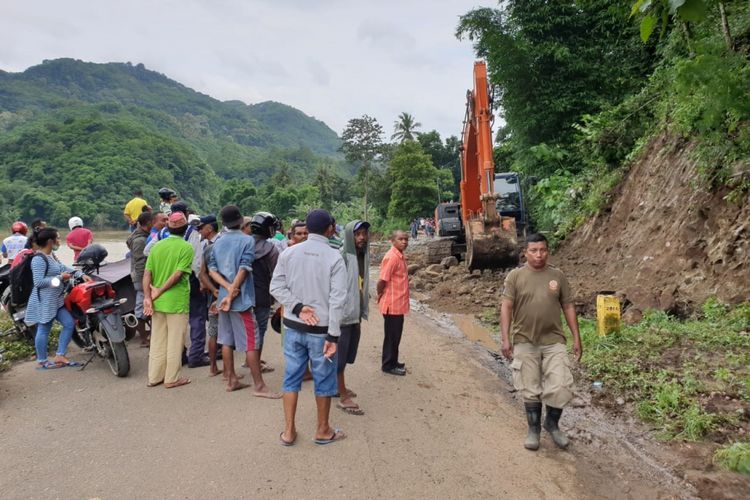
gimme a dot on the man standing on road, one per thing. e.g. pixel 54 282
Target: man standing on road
pixel 209 230
pixel 263 227
pixel 134 208
pixel 230 265
pixel 356 254
pixel 310 282
pixel 166 290
pixel 532 299
pixel 393 297
pixel 136 244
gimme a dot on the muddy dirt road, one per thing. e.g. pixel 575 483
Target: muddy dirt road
pixel 449 429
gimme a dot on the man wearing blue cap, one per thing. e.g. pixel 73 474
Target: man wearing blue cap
pixel 310 282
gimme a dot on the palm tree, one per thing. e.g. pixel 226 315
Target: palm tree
pixel 404 128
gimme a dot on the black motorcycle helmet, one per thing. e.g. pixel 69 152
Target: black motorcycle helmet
pixel 92 255
pixel 166 194
pixel 264 224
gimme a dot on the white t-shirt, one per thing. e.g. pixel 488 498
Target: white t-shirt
pixel 13 244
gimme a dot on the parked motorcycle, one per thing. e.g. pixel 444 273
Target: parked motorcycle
pixel 100 326
pixel 96 307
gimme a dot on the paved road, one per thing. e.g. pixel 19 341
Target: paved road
pixel 446 430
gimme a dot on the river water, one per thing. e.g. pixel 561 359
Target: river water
pixel 113 241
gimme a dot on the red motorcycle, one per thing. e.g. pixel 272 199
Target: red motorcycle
pixel 100 326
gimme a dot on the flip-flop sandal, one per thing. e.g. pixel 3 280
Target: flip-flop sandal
pixel 338 435
pixel 351 410
pixel 50 366
pixel 267 369
pixel 73 364
pixel 286 443
pixel 154 384
pixel 179 383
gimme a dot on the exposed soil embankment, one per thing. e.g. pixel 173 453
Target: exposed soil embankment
pixel 665 242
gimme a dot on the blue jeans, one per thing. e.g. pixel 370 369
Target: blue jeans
pixel 300 347
pixel 42 335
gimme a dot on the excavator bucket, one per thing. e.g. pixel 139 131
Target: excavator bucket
pixel 492 246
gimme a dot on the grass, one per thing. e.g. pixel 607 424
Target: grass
pixel 734 457
pixel 15 349
pixel 674 371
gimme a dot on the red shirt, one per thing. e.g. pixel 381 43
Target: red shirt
pixel 80 237
pixel 393 271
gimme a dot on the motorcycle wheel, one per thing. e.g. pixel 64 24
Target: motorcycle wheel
pixel 119 361
pixel 116 354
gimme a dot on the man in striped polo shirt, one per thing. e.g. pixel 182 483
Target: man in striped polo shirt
pixel 393 298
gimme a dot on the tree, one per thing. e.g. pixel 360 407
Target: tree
pixel 362 143
pixel 552 62
pixel 444 156
pixel 415 182
pixel 404 128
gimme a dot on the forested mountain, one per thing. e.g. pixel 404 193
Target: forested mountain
pixel 77 137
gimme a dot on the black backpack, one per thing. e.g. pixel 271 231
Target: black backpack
pixel 22 279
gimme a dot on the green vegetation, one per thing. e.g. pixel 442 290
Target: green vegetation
pixel 735 457
pixel 403 180
pixel 690 379
pixel 76 138
pixel 15 349
pixel 581 93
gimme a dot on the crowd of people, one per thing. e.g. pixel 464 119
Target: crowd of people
pixel 207 287
pixel 220 288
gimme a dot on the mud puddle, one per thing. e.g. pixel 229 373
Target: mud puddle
pixel 476 332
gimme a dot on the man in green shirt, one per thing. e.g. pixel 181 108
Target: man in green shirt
pixel 533 298
pixel 166 291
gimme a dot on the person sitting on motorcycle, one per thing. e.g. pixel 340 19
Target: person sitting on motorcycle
pixel 46 302
pixel 16 241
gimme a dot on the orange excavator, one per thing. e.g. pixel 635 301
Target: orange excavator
pixel 491 239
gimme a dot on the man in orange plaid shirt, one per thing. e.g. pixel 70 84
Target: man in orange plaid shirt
pixel 393 299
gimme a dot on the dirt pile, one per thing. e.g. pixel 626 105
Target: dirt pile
pixel 449 287
pixel 665 241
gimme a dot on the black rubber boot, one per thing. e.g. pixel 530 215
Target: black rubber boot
pixel 534 418
pixel 550 425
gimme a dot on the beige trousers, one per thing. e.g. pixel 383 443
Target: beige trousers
pixel 168 333
pixel 542 373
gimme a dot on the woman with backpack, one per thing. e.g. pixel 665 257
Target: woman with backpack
pixel 46 302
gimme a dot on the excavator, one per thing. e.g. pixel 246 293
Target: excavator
pixel 491 238
pixel 492 207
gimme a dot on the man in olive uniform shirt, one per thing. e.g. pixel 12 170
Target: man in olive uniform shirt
pixel 532 300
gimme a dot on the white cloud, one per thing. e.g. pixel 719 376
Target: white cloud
pixel 334 60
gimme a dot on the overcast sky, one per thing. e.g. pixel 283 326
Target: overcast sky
pixel 332 59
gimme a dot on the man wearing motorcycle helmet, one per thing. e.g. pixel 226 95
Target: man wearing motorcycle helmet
pixel 16 241
pixel 167 197
pixel 263 226
pixel 79 237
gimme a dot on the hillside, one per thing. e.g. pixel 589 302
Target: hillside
pixel 62 82
pixel 664 242
pixel 77 137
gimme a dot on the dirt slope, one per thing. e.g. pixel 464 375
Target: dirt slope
pixel 662 243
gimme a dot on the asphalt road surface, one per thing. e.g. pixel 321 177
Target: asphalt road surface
pixel 446 430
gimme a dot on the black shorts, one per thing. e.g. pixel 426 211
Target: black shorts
pixel 348 345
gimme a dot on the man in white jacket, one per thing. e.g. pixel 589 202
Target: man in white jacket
pixel 310 282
